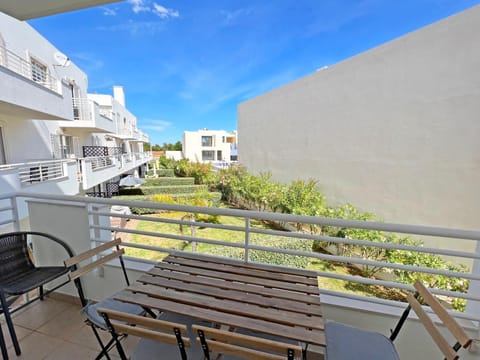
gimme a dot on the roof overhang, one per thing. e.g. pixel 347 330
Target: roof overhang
pixel 30 9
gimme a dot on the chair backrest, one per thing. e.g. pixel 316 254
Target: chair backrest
pixel 146 328
pixel 14 256
pixel 115 252
pixel 244 346
pixel 97 259
pixel 463 340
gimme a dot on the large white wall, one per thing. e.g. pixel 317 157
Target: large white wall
pixel 394 131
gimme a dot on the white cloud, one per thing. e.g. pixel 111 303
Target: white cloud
pixel 157 125
pixel 139 6
pixel 136 27
pixel 109 11
pixel 163 12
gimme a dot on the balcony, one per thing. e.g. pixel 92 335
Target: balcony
pixel 87 115
pixel 95 170
pixel 84 222
pixel 46 100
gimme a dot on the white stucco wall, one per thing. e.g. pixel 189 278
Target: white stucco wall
pixel 394 131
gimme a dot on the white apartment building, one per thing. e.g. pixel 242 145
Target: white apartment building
pixel 54 136
pixel 218 147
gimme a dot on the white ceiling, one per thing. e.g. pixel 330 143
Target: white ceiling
pixel 29 9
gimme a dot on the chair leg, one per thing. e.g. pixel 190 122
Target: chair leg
pixel 8 319
pixel 3 346
pixel 104 351
pixel 41 292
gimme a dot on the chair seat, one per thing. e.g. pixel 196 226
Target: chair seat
pixel 346 342
pixel 90 310
pixel 31 279
pixel 149 349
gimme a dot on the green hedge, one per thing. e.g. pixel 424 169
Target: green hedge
pixel 165 173
pixel 270 257
pixel 152 190
pixel 168 181
pixel 215 197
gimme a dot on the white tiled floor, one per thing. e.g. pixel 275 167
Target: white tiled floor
pixel 53 329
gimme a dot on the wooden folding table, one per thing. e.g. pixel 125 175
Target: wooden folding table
pixel 265 299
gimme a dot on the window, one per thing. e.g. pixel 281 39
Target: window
pixel 208 155
pixel 219 154
pixel 39 71
pixel 207 141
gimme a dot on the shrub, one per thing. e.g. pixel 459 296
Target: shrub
pixel 202 172
pixel 152 190
pixel 167 181
pixel 165 173
pixel 270 257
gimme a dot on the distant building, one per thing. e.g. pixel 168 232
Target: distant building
pixel 218 147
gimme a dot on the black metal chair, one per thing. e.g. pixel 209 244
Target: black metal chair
pixel 19 275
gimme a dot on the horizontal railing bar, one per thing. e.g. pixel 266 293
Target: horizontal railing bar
pixel 374 263
pixel 358 224
pixel 397 304
pixel 323 238
pixel 8 221
pixel 6 208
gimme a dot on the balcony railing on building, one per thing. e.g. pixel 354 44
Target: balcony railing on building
pixel 37 171
pixel 32 70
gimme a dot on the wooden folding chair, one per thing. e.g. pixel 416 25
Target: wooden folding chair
pixel 238 346
pixel 346 342
pixel 97 257
pixel 461 337
pixel 159 339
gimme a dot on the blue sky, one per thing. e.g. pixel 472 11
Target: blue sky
pixel 187 64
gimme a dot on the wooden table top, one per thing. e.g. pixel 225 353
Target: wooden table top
pixel 262 298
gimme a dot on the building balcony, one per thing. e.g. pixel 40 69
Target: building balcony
pixel 86 222
pixel 48 98
pixel 87 115
pixel 98 169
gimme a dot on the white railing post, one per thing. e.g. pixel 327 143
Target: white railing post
pixel 247 240
pixel 16 219
pixel 473 307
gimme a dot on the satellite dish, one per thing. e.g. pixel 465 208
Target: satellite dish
pixel 61 59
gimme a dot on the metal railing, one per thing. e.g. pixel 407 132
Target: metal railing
pixel 23 67
pixel 37 171
pixel 82 109
pixel 246 239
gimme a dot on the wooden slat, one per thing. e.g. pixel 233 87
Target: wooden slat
pixel 240 278
pixel 241 352
pixel 247 340
pixel 92 252
pixel 230 307
pixel 84 269
pixel 442 344
pixel 143 321
pixel 447 320
pixel 149 334
pixel 242 296
pixel 228 285
pixel 316 337
pixel 270 268
pixel 241 270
